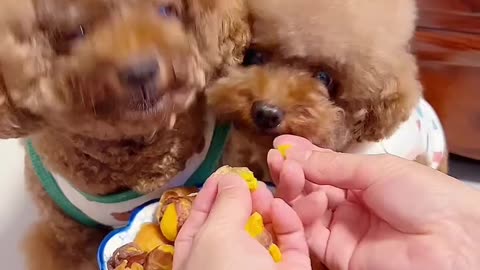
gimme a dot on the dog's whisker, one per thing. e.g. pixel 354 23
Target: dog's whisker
pixel 93 106
pixel 82 93
pixel 173 120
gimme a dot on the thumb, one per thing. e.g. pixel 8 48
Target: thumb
pixel 233 204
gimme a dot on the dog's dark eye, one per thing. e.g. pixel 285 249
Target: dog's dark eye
pixel 167 11
pixel 63 41
pixel 327 80
pixel 253 57
pixel 78 33
pixel 324 77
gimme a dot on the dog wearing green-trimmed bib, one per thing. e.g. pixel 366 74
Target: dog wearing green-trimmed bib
pixel 108 95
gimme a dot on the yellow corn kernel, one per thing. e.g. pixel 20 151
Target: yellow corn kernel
pixel 248 176
pixel 243 172
pixel 275 253
pixel 283 149
pixel 255 226
pixel 149 237
pixel 169 223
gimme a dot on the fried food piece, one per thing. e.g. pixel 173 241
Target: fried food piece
pixel 134 266
pixel 169 224
pixel 176 193
pixel 126 256
pixel 174 210
pixel 150 237
pixel 160 259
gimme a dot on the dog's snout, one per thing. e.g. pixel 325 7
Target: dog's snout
pixel 140 72
pixel 266 116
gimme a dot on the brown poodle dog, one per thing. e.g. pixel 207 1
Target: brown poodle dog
pixel 109 94
pixel 339 73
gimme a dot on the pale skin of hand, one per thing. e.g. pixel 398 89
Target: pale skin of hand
pixel 391 215
pixel 214 235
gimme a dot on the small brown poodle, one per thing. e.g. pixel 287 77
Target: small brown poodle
pixel 109 95
pixel 339 73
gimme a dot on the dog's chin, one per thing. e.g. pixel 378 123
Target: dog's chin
pixel 148 108
pixel 335 143
pixel 271 132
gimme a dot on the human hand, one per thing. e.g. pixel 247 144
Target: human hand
pixel 395 214
pixel 214 235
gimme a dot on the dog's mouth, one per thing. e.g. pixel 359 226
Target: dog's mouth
pixel 145 99
pixel 142 89
pixel 276 131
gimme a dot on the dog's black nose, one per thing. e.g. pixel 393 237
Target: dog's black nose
pixel 266 116
pixel 140 72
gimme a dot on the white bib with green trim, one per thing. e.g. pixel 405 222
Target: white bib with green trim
pixel 114 210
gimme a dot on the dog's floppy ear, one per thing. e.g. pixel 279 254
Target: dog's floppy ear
pixel 14 123
pixel 16 68
pixel 380 96
pixel 15 120
pixel 221 28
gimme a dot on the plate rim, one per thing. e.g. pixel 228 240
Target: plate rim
pixel 101 249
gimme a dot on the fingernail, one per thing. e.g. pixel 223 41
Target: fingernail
pixel 299 154
pixel 242 172
pixel 283 149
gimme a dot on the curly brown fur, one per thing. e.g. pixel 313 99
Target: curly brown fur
pixel 339 72
pixel 56 241
pixel 63 85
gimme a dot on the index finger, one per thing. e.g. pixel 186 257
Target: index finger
pixel 262 200
pixel 356 172
pixel 288 229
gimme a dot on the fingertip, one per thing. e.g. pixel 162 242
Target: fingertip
pixel 290 140
pixel 206 196
pixel 288 229
pixel 262 199
pixel 233 203
pixel 261 187
pixel 284 218
pixel 275 162
pixel 229 180
pixel 274 156
pixel 291 181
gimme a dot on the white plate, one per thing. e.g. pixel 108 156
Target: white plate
pixel 117 238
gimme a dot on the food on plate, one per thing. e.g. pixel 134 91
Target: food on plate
pixel 150 237
pixel 153 246
pixel 160 258
pixel 126 257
